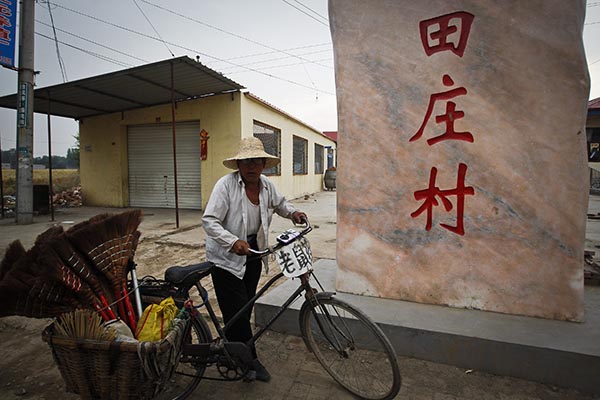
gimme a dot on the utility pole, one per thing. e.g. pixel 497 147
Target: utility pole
pixel 24 172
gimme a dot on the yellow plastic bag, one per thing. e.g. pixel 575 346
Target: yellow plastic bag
pixel 156 320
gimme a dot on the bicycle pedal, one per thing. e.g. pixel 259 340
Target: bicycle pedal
pixel 250 376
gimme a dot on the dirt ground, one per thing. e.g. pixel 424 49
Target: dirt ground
pixel 27 369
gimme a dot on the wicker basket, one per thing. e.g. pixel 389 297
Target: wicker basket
pixel 116 370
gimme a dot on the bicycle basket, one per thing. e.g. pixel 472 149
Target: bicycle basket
pixel 116 370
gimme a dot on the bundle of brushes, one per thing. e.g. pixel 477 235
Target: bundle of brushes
pixel 84 324
pixel 85 267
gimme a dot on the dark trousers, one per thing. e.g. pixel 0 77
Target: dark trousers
pixel 233 293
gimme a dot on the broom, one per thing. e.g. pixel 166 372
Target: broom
pixel 20 295
pixel 109 242
pixel 26 286
pixel 48 265
pixel 16 301
pixel 87 231
pixel 14 251
pixel 81 286
pixel 67 254
pixel 38 279
pixel 84 324
pixel 46 281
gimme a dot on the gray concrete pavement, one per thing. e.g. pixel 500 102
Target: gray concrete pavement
pixel 296 374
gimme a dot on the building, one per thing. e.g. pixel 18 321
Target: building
pixel 128 157
pixel 592 130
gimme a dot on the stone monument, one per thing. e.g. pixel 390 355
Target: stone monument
pixel 462 170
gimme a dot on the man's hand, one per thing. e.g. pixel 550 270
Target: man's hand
pixel 240 248
pixel 299 217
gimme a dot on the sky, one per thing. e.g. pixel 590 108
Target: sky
pixel 280 50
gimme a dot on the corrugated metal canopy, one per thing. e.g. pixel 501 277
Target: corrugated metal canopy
pixel 138 87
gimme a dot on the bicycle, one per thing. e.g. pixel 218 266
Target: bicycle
pixel 336 332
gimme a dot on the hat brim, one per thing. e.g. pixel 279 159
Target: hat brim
pixel 270 161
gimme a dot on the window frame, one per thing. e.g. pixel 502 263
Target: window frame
pixel 319 151
pixel 275 171
pixel 304 163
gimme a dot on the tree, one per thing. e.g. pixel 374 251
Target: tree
pixel 73 154
pixel 10 157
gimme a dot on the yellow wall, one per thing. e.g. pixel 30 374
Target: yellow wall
pixel 227 118
pixel 103 161
pixel 290 185
pixel 103 142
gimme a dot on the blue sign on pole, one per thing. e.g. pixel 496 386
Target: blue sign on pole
pixel 8 30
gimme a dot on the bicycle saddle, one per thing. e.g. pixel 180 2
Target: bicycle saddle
pixel 189 274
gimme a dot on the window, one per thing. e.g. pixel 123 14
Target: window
pixel 271 139
pixel 318 159
pixel 299 159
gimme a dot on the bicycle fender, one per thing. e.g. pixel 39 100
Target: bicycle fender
pixel 305 305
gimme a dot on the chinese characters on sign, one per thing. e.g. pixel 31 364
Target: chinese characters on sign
pixel 8 16
pixel 295 259
pixel 429 196
pixel 446 33
pixel 437 35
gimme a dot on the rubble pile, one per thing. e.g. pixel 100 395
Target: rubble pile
pixel 68 198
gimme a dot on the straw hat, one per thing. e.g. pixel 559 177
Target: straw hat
pixel 251 147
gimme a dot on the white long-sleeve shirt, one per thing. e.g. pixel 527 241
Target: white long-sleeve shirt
pixel 225 219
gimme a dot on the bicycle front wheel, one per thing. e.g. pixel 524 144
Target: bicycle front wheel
pixel 189 371
pixel 351 348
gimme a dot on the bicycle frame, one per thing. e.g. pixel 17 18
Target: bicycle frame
pixel 201 352
pixel 222 329
pixel 327 324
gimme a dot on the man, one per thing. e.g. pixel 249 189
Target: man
pixel 237 218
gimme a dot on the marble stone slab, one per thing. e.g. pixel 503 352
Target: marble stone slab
pixel 462 169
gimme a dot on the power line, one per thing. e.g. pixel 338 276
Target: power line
pixel 222 69
pixel 97 55
pixel 313 11
pixel 273 52
pixel 188 49
pixel 155 31
pixel 276 66
pixel 94 42
pixel 305 13
pixel 61 62
pixel 123 64
pixel 228 33
pixel 278 59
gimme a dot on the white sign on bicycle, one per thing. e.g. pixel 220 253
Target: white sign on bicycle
pixel 295 259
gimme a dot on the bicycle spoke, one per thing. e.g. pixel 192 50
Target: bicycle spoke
pixel 351 348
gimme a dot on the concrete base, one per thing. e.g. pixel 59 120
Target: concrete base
pixel 554 352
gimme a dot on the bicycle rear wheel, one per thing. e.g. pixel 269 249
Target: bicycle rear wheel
pixel 189 372
pixel 351 348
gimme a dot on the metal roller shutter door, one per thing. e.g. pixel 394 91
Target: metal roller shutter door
pixel 150 159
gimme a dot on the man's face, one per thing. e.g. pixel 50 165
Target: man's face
pixel 251 168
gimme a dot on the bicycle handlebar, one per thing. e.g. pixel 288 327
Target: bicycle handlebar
pixel 283 239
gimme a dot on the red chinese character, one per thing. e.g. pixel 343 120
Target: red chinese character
pixel 440 38
pixel 4 35
pixel 448 118
pixel 4 21
pixel 430 195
